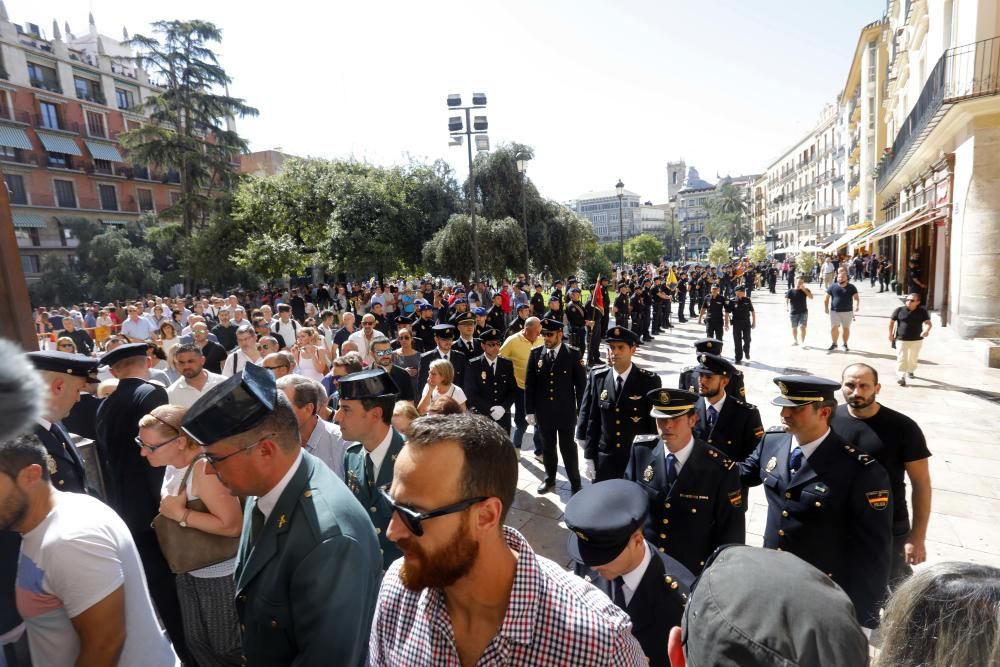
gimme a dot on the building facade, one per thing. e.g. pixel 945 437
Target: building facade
pixel 791 192
pixel 692 214
pixel 829 176
pixel 64 100
pixel 601 208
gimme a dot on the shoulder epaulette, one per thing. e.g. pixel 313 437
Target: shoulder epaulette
pixel 721 458
pixel 600 371
pixel 854 452
pixel 356 447
pixel 645 372
pixel 775 429
pixel 645 439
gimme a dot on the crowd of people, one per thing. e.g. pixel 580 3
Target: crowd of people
pixel 321 475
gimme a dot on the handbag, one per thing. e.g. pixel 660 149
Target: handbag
pixel 187 549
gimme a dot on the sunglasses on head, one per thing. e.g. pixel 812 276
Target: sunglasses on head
pixel 413 520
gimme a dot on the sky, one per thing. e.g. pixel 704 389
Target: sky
pixel 601 90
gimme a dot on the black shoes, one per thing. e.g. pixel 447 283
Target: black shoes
pixel 546 487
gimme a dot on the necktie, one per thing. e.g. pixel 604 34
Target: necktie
pixel 369 470
pixel 795 461
pixel 257 519
pixel 618 591
pixel 552 357
pixel 671 468
pixel 712 416
pixel 618 387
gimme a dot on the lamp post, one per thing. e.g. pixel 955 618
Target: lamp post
pixel 620 189
pixel 473 126
pixel 522 168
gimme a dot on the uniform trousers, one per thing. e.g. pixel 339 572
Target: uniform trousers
pixel 680 310
pixel 567 447
pixel 741 339
pixel 713 329
pixel 578 338
pixel 521 425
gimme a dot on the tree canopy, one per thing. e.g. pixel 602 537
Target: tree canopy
pixel 727 216
pixel 643 248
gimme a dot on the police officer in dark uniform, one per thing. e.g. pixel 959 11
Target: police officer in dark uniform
pixel 713 312
pixel 423 328
pixel 537 302
pixel 576 317
pixel 489 382
pixel 555 311
pixel 637 303
pixel 460 309
pixel 607 545
pixel 523 311
pixel 444 335
pixel 594 316
pixel 742 318
pixel 682 293
pixel 553 390
pixel 695 500
pixel 557 292
pixel 467 343
pixel 828 502
pixel 66 375
pixel 496 319
pixel 617 408
pixel 622 305
pixel 689 376
pixel 726 423
pixel 606 299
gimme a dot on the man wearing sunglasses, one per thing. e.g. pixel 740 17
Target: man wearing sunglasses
pixel 382 350
pixel 308 563
pixel 469 588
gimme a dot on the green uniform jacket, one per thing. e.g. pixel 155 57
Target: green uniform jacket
pixel 306 590
pixel 376 507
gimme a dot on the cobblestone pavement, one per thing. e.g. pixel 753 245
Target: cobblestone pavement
pixel 955 399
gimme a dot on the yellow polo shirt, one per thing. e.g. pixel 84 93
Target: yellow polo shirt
pixel 517 348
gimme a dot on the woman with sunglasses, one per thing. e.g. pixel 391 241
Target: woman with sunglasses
pixel 440 377
pixel 65 344
pixel 207 594
pixel 406 356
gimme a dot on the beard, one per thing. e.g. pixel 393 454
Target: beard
pixel 860 402
pixel 443 568
pixel 13 509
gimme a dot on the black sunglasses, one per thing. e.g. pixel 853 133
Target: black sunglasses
pixel 412 520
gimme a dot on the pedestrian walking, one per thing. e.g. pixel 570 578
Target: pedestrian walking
pixel 909 325
pixel 841 303
pixel 797 306
pixel 713 313
pixel 742 318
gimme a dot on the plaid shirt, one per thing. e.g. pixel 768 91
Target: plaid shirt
pixel 553 619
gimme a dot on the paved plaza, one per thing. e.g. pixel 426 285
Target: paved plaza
pixel 955 399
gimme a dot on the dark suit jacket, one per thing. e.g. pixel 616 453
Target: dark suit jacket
pixel 484 389
pixel 737 428
pixel 66 471
pixel 553 391
pixel 470 350
pixel 615 420
pixel 700 512
pixel 835 513
pixel 656 605
pixel 378 510
pixel 306 589
pixel 458 360
pixel 82 418
pixel 403 381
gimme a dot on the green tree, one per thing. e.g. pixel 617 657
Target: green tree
pixel 189 129
pixel 643 248
pixel 447 252
pixel 758 253
pixel 60 283
pixel 612 251
pixel 718 254
pixel 805 262
pixel 727 216
pixel 594 262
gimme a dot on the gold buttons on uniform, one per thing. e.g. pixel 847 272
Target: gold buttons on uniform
pixel 308 494
pixel 673 585
pixel 373 509
pixel 663 550
pixel 787 494
pixel 274 623
pixel 781 533
pixel 378 531
pixel 666 521
pixel 819 504
pixel 784 513
pixel 694 510
pixel 667 505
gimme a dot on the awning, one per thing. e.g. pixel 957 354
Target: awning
pixel 115 222
pixel 25 220
pixel 893 226
pixel 14 137
pixel 102 151
pixel 932 215
pixel 843 240
pixel 57 143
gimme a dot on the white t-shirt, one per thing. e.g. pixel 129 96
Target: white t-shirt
pixel 77 556
pixel 455 393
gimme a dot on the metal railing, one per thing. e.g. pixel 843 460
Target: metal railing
pixel 962 73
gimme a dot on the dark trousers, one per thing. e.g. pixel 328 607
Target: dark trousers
pixel 578 338
pixel 741 339
pixel 680 310
pixel 621 321
pixel 567 447
pixel 713 329
pixel 594 346
pixel 657 321
pixel 693 300
pixel 667 312
pixel 520 425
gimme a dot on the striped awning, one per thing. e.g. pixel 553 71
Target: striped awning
pixel 25 220
pixel 14 137
pixel 57 143
pixel 116 222
pixel 103 151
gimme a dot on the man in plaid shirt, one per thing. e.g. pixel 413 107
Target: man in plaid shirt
pixel 469 590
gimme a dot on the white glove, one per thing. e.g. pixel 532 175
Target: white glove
pixel 589 470
pixel 496 412
pixel 530 419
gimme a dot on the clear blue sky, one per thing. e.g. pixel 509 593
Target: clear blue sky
pixel 602 90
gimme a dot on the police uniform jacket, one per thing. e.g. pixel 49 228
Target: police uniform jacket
pixel 735 389
pixel 366 491
pixel 553 390
pixel 470 350
pixel 740 309
pixel 715 307
pixel 622 306
pixel 495 318
pixel 656 605
pixel 537 303
pixel 458 360
pixel 424 330
pixel 306 588
pixel 835 513
pixel 516 326
pixel 132 485
pixel 484 388
pixel 700 512
pixel 65 465
pixel 615 419
pixel 737 427
pixel 575 314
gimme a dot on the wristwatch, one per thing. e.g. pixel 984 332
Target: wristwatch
pixel 184 519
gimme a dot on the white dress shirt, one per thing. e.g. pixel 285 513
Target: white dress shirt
pixel 631 580
pixel 182 393
pixel 624 376
pixel 681 456
pixel 809 447
pixel 267 501
pixel 378 454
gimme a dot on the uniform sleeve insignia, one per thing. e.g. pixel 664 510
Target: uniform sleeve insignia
pixel 735 498
pixel 50 463
pixel 635 398
pixel 636 419
pixel 582 536
pixel 878 500
pixel 604 395
pixel 771 464
pixel 647 474
pixel 282 520
pixel 758 432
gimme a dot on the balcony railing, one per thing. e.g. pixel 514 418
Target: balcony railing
pixel 51 86
pixel 93 96
pixel 962 73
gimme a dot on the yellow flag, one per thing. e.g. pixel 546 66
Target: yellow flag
pixel 671 277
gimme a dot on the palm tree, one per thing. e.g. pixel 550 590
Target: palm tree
pixel 728 210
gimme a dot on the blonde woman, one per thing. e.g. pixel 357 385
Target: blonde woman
pixel 65 344
pixel 104 324
pixel 207 594
pixel 440 377
pixel 402 415
pixel 311 359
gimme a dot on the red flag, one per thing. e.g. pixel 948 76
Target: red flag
pixel 597 296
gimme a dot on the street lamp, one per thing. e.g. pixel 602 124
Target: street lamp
pixel 620 189
pixel 459 131
pixel 522 168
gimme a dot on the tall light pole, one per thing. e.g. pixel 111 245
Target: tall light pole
pixel 522 168
pixel 620 189
pixel 473 126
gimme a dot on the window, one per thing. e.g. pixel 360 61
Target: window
pixel 102 167
pixel 95 124
pixel 15 188
pixel 29 264
pixel 175 198
pixel 125 98
pixel 43 77
pixel 4 105
pixel 49 115
pixel 145 198
pixel 89 90
pixel 109 197
pixel 65 194
pixel 60 160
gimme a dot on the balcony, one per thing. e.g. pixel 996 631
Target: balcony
pixel 962 73
pixel 42 123
pixel 95 96
pixel 51 86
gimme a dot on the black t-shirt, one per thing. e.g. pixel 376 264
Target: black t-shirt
pixel 910 323
pixel 842 297
pixel 797 301
pixel 894 440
